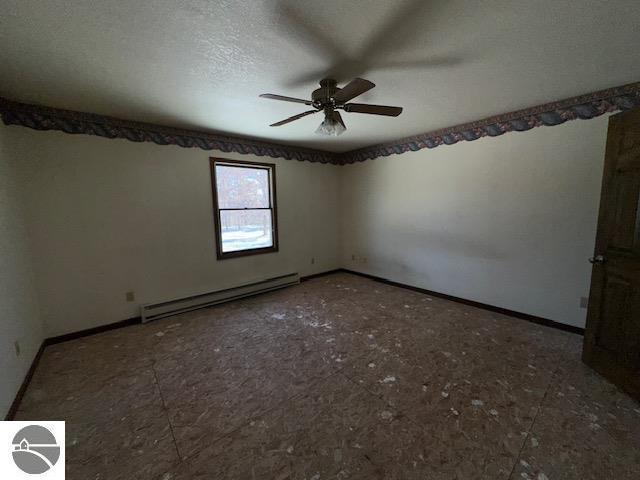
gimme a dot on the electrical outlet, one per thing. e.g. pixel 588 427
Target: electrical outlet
pixel 16 345
pixel 131 296
pixel 313 260
pixel 353 257
pixel 584 302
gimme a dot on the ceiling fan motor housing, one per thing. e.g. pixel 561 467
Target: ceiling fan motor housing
pixel 322 97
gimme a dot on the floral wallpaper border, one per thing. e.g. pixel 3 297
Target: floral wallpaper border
pixel 581 107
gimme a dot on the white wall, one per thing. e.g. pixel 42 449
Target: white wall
pixel 110 216
pixel 19 316
pixel 508 221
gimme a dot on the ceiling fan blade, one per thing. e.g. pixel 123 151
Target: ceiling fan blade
pixel 295 117
pixel 273 96
pixel 306 32
pixel 433 62
pixel 373 109
pixel 400 28
pixel 355 87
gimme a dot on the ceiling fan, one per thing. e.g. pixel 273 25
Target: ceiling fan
pixel 329 99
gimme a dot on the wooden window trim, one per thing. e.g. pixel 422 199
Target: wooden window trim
pixel 216 210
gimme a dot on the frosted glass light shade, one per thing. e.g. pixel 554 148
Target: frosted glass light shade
pixel 331 125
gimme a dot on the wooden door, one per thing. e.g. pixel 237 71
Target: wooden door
pixel 612 337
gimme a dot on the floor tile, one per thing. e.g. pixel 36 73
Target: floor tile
pixel 338 377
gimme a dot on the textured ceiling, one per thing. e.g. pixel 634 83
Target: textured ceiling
pixel 202 64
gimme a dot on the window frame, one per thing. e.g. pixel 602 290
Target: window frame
pixel 271 168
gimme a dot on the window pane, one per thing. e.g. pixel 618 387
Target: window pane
pixel 241 187
pixel 245 229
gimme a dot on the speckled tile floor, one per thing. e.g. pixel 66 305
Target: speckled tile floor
pixel 339 377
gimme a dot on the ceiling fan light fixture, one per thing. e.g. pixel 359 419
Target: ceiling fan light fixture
pixel 331 125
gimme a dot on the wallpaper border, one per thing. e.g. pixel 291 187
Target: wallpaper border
pixel 582 107
pixel 555 113
pixel 47 118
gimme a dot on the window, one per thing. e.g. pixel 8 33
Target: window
pixel 244 203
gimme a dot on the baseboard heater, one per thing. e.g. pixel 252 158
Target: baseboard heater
pixel 153 311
